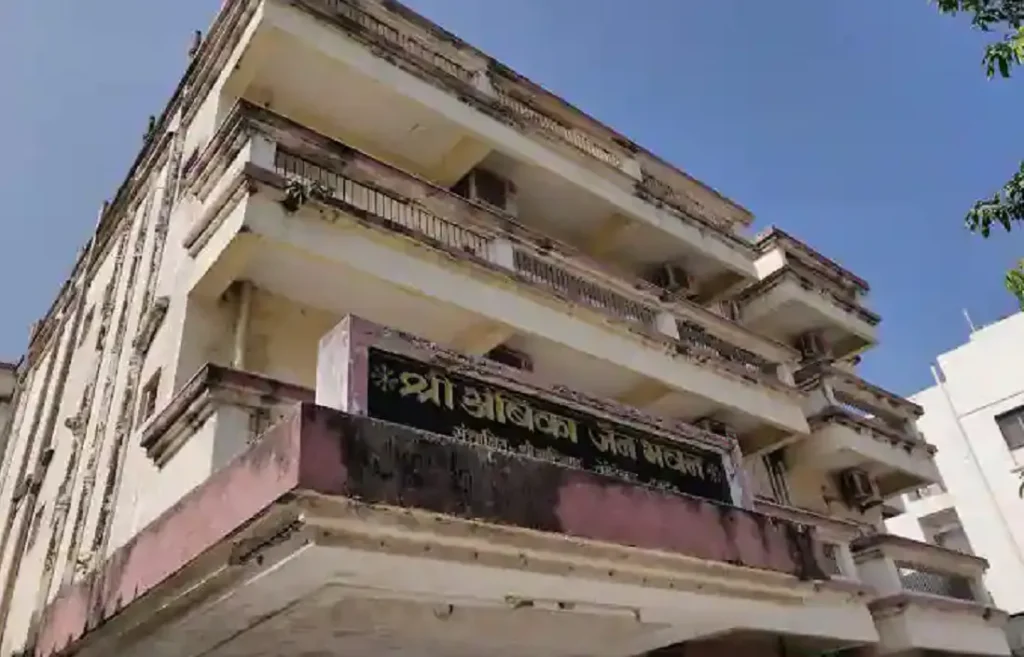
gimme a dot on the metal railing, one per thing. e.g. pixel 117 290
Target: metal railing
pixel 581 290
pixel 567 134
pixel 399 212
pixel 933 582
pixel 695 340
pixel 396 38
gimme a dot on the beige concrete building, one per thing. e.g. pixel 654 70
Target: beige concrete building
pixel 382 349
pixel 8 389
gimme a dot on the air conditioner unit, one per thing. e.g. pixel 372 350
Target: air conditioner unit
pixel 716 427
pixel 811 345
pixel 858 489
pixel 675 280
pixel 482 186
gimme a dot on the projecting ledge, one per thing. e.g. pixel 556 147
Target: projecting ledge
pixel 324 463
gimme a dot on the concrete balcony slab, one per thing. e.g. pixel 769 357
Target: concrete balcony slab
pixel 929 599
pixel 335 534
pixel 786 304
pixel 841 439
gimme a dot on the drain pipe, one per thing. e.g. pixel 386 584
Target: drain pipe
pixel 977 464
pixel 242 320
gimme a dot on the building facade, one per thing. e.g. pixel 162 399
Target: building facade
pixel 380 347
pixel 8 390
pixel 974 415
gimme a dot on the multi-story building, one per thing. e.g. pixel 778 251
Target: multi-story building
pixel 8 388
pixel 974 415
pixel 381 347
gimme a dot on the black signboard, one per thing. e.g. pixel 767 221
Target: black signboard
pixel 409 392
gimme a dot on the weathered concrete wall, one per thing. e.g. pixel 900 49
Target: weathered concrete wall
pixel 90 357
pixel 331 453
pixel 386 464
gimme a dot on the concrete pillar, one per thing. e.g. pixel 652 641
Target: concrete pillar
pixel 342 365
pixel 262 151
pixel 631 167
pixel 502 253
pixel 879 571
pixel 785 373
pixel 667 324
pixel 482 82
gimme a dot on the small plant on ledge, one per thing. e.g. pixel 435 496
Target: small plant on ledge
pixel 295 196
pixel 319 191
pixel 297 193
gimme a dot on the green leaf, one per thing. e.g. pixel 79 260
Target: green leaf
pixel 1015 283
pixel 1004 209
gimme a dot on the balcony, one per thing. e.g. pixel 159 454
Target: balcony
pixel 381 79
pixel 929 598
pixel 217 415
pixel 848 389
pixel 374 536
pixel 834 534
pixel 803 293
pixel 278 205
pixel 855 424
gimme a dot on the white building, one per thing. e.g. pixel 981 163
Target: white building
pixel 974 415
pixel 382 349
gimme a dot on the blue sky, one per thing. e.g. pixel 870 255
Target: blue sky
pixel 865 127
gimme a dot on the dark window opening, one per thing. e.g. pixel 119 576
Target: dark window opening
pixel 511 357
pixel 1011 425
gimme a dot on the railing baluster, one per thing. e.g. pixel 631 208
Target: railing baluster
pixel 933 582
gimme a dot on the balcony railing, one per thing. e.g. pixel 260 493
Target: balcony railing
pixel 932 582
pixel 559 130
pixel 581 290
pixel 366 199
pixel 850 390
pixel 895 565
pixel 787 273
pixel 360 21
pixel 695 340
pixel 875 428
pixel 809 261
pixel 395 200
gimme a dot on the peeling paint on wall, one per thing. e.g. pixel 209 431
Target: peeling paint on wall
pixel 78 561
pixel 125 422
